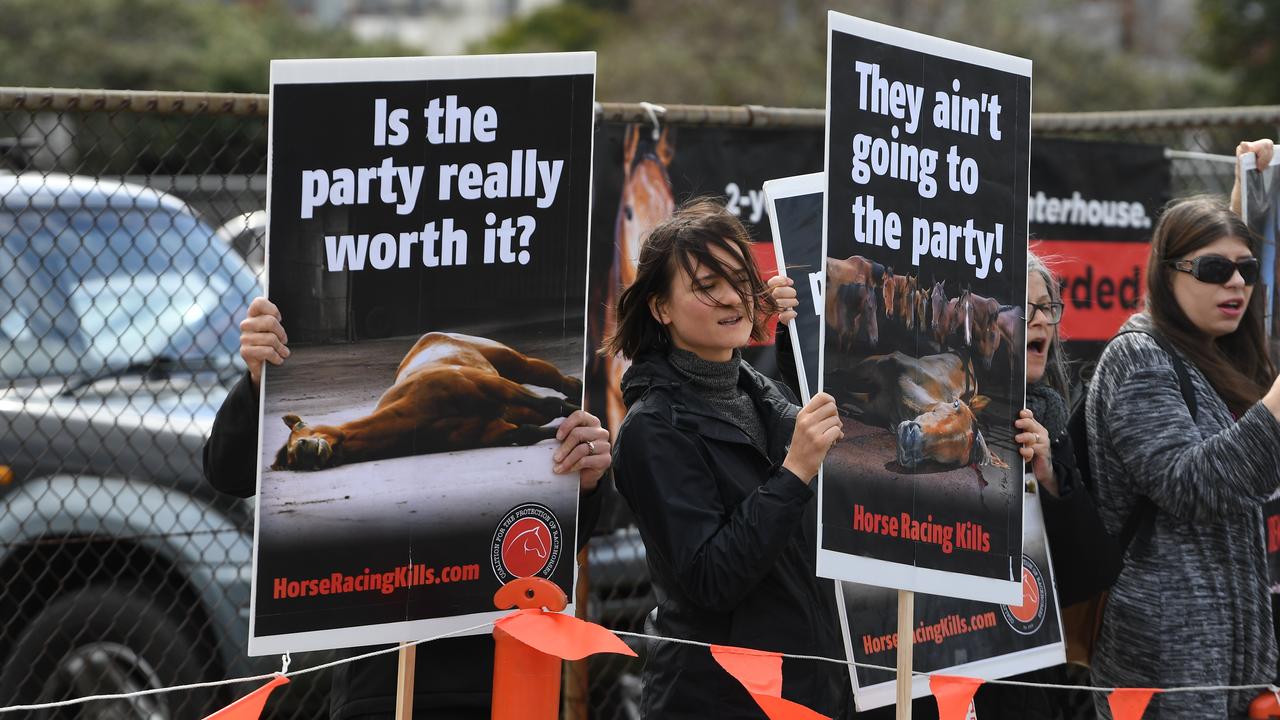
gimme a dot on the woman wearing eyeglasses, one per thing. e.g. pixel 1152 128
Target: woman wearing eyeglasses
pixel 1046 447
pixel 1191 605
pixel 1042 426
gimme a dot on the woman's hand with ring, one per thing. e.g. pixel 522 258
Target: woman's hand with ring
pixel 1033 445
pixel 584 449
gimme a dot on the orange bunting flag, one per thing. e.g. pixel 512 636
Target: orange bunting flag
pixel 954 695
pixel 250 706
pixel 560 635
pixel 761 674
pixel 1129 703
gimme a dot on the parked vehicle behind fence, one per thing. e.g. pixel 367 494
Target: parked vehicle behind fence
pixel 119 313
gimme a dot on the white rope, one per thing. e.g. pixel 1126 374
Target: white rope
pixel 679 641
pixel 233 681
pixel 1019 683
pixel 653 111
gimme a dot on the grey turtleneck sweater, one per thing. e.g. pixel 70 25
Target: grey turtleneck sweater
pixel 717 384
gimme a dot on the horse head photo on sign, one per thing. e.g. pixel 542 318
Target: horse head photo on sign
pixel 646 199
pixel 930 403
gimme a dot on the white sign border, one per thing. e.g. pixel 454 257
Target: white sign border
pixel 779 189
pixel 919 42
pixel 453 67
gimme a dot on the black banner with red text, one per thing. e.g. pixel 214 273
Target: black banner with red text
pixel 642 174
pixel 1091 210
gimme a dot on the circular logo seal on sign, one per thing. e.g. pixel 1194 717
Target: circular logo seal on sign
pixel 1027 618
pixel 527 542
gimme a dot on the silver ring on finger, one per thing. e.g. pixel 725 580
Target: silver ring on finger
pixel 591 447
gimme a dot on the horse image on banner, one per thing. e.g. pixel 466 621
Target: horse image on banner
pixel 647 199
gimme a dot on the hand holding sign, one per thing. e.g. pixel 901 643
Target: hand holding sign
pixel 817 429
pixel 782 288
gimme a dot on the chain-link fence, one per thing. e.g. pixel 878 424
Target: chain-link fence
pixel 131 229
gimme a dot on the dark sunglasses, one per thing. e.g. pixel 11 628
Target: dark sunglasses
pixel 1218 270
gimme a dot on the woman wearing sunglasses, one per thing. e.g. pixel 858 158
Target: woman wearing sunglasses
pixel 1191 606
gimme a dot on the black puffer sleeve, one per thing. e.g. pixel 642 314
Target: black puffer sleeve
pixel 230 453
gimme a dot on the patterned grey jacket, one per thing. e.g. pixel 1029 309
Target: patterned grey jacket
pixel 1191 606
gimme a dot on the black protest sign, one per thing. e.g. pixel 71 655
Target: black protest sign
pixel 1260 205
pixel 795 213
pixel 954 636
pixel 925 251
pixel 1091 211
pixel 427 250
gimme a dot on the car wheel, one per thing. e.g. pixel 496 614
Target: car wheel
pixel 101 641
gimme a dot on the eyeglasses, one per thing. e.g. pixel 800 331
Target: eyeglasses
pixel 1218 270
pixel 1052 312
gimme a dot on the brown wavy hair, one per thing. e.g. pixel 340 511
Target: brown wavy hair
pixel 685 240
pixel 1237 365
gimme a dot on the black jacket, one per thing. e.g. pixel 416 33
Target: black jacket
pixel 1071 525
pixel 1070 522
pixel 454 676
pixel 730 540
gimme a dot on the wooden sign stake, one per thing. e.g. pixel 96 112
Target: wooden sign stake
pixel 906 638
pixel 404 681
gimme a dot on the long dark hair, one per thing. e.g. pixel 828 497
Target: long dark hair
pixel 685 240
pixel 1237 364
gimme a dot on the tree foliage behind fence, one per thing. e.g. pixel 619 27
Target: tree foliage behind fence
pixel 121 569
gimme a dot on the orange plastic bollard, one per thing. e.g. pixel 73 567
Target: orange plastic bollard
pixel 526 683
pixel 1266 705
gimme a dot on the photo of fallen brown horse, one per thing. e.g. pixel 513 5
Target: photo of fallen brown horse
pixel 451 392
pixel 930 404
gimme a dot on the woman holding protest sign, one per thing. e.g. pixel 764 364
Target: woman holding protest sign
pixel 716 462
pixel 1046 447
pixel 1191 605
pixel 454 679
